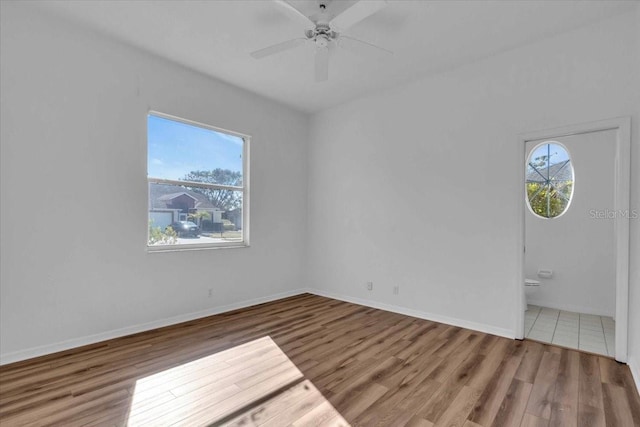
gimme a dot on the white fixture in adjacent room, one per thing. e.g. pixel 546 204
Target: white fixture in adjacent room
pixel 545 274
pixel 530 288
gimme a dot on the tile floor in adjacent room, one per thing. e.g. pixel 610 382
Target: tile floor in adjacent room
pixel 588 332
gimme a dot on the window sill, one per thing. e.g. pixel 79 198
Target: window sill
pixel 194 247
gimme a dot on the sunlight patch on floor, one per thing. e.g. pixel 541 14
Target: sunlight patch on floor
pixel 251 384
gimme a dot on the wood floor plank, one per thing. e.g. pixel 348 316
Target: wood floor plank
pixel 456 414
pixel 488 343
pixel 488 404
pixel 207 410
pixel 530 362
pixel 494 357
pixel 416 398
pixel 634 403
pixel 419 422
pixel 378 372
pixel 532 421
pixel 322 415
pixel 454 339
pixel 514 404
pixel 616 406
pixel 352 405
pixel 564 408
pixel 410 386
pixel 398 405
pixel 283 409
pixel 590 386
pixel 408 371
pixel 612 372
pixel 329 374
pixel 544 386
pixel 440 401
pixel 53 412
pixel 392 335
pixel 588 416
pixel 361 366
pixel 457 355
pixel 429 338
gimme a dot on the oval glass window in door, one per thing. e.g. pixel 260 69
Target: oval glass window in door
pixel 549 180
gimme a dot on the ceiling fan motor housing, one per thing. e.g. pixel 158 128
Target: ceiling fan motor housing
pixel 321 33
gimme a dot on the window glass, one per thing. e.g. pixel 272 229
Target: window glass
pixel 549 180
pixel 197 186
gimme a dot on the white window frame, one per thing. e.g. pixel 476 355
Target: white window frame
pixel 244 188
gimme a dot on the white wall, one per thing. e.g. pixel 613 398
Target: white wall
pixel 74 191
pixel 578 246
pixel 634 273
pixel 419 185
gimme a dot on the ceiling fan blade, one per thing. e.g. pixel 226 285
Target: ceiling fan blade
pixel 322 64
pixel 358 46
pixel 294 14
pixel 357 13
pixel 277 48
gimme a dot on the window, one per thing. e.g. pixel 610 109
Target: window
pixel 549 180
pixel 198 189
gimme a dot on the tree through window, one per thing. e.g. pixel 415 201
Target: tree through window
pixel 549 180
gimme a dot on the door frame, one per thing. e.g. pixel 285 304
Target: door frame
pixel 622 183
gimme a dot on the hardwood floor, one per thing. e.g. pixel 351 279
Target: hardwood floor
pixel 309 360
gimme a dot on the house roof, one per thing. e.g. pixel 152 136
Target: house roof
pixel 174 195
pixel 160 196
pixel 557 172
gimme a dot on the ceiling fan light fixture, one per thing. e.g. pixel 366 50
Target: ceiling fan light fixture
pixel 322 41
pixel 325 31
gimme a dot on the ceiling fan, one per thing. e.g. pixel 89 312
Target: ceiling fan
pixel 324 29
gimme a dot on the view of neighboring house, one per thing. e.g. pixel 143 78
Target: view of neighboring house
pixel 560 172
pixel 170 203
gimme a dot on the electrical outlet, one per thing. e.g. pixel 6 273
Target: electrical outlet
pixel 396 289
pixel 370 286
pixel 210 293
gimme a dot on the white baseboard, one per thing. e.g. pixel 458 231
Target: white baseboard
pixel 635 371
pixel 117 333
pixel 32 352
pixel 570 307
pixel 480 327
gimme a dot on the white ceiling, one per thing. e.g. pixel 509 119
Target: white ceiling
pixel 216 37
